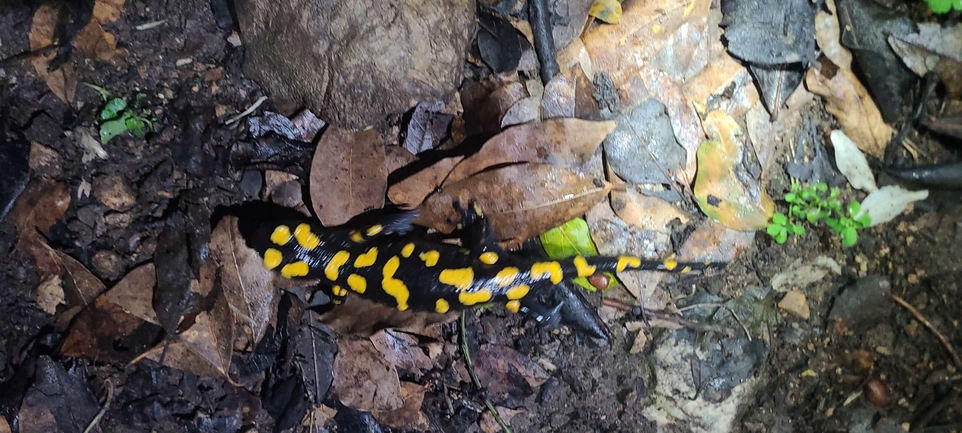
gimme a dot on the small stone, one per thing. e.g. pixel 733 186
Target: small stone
pixel 114 193
pixel 44 160
pixel 108 264
pixel 860 305
pixel 50 294
pixel 118 219
pixel 795 303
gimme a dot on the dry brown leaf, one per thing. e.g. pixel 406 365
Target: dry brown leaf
pixel 211 336
pixel 107 11
pixel 523 111
pixel 849 101
pixel 828 35
pixel 363 379
pixel 98 44
pixel 504 371
pixel 362 317
pixel 63 81
pixel 563 142
pixel 41 204
pixel 403 351
pixel 134 293
pixel 347 175
pixel 715 242
pixel 247 284
pixel 647 212
pixel 724 82
pixel 95 332
pixel 570 94
pixel 178 354
pixel 50 293
pixel 409 416
pixel 489 425
pixel 484 108
pixel 521 200
pixel 411 192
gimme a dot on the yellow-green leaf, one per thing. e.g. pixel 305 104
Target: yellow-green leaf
pixel 608 11
pixel 572 239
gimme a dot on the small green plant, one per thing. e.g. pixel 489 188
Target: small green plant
pixel 118 117
pixel 815 203
pixel 944 6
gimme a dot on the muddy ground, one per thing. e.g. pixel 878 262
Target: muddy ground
pixel 806 376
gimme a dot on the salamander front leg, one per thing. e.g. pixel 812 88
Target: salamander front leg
pixel 477 233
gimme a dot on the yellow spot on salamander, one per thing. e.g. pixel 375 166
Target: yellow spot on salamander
pixel 374 230
pixel 513 306
pixel 472 298
pixel 338 291
pixel 669 265
pixel 506 276
pixel 430 258
pixel 296 269
pixel 488 258
pixel 441 306
pixel 584 270
pixel 281 235
pixel 334 265
pixel 272 258
pixel 393 286
pixel 357 283
pixel 552 269
pixel 366 259
pixel 356 236
pixel 517 292
pixel 460 278
pixel 686 269
pixel 307 239
pixel 625 262
pixel 407 250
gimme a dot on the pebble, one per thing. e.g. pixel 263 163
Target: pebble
pixel 108 264
pixel 114 193
pixel 795 303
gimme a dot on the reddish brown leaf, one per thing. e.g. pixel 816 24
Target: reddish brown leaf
pixel 246 282
pixel 403 351
pixel 410 192
pixel 409 416
pixel 96 331
pixel 363 379
pixel 504 371
pixel 133 294
pixel 522 200
pixel 347 175
pixel 63 81
pixel 564 142
pixel 40 205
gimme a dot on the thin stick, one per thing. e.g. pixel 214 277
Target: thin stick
pixel 474 377
pixel 248 111
pixel 103 410
pixel 928 325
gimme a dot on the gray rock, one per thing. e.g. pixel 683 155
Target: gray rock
pixel 643 148
pixel 354 62
pixel 863 304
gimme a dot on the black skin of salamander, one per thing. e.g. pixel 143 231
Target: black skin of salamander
pixel 423 282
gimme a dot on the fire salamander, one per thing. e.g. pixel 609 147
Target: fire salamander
pixel 385 265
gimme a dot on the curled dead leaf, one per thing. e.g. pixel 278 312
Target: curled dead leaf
pixel 849 101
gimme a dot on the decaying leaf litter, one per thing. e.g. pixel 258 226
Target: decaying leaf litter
pixel 664 128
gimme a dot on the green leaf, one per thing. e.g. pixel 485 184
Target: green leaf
pixel 782 236
pixel 853 208
pixel 813 215
pixel 833 224
pixel 834 193
pixel 136 126
pixel 849 236
pixel 807 194
pixel 797 229
pixel 944 6
pixel 779 218
pixel 774 229
pixel 113 108
pixel 864 221
pixel 103 92
pixel 821 187
pixel 111 129
pixel 569 239
pixel 791 197
pixel 795 210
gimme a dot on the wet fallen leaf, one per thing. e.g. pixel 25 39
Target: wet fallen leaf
pixel 521 200
pixel 133 293
pixel 314 354
pixel 489 425
pixel 247 284
pixel 403 351
pixel 505 373
pixel 563 142
pixel 828 35
pixel 178 354
pixel 359 316
pixel 411 192
pixel 347 175
pixel 105 332
pixel 427 128
pixel 847 100
pixel 852 163
pixel 643 148
pixel 409 416
pixel 363 379
pixel 724 188
pixel 63 81
pixel 523 111
pixel 725 84
pixel 41 204
pixel 933 48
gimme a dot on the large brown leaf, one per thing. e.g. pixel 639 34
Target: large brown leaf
pixel 565 142
pixel 848 100
pixel 246 282
pixel 363 379
pixel 348 175
pixel 410 192
pixel 522 200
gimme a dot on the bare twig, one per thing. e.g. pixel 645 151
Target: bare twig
pixel 248 111
pixel 103 410
pixel 474 377
pixel 928 325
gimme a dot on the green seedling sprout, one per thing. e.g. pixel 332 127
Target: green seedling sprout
pixel 118 117
pixel 813 204
pixel 944 6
